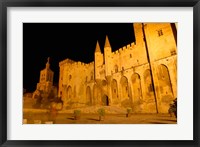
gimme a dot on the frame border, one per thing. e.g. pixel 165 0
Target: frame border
pixel 97 3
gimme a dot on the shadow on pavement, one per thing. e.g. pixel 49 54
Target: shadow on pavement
pixel 71 118
pixel 93 119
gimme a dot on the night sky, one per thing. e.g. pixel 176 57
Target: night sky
pixel 76 41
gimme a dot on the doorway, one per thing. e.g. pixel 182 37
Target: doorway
pixel 105 101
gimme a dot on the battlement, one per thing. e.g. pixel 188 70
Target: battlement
pixel 79 64
pixel 132 44
pixel 116 52
pixel 91 63
pixel 124 49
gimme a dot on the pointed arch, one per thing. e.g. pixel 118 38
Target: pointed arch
pixel 104 87
pixel 136 84
pixel 149 90
pixel 165 87
pixel 124 87
pixel 92 76
pixel 105 100
pixel 69 92
pixel 116 68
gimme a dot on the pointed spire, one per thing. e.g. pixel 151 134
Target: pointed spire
pixel 48 59
pixel 97 48
pixel 107 43
pixel 48 64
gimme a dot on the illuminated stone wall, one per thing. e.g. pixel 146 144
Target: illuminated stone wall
pixel 141 75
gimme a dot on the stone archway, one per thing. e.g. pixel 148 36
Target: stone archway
pixel 124 88
pixel 68 99
pixel 125 99
pixel 69 93
pixel 149 90
pixel 165 87
pixel 88 96
pixel 116 68
pixel 105 100
pixel 150 103
pixel 136 84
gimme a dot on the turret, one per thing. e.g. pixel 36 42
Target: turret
pixel 97 50
pixel 48 64
pixel 108 54
pixel 139 34
pixel 98 61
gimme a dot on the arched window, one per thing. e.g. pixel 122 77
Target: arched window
pixel 69 92
pixel 148 81
pixel 124 87
pixel 160 32
pixel 70 77
pixel 116 68
pixel 92 76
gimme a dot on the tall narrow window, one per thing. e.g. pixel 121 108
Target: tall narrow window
pixel 173 52
pixel 70 77
pixel 92 76
pixel 116 68
pixel 160 33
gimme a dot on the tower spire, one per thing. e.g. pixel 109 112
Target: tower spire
pixel 107 43
pixel 97 48
pixel 48 64
pixel 48 59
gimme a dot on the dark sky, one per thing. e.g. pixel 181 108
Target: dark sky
pixel 59 41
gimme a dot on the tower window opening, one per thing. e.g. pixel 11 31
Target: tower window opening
pixel 160 33
pixel 116 68
pixel 70 77
pixel 173 52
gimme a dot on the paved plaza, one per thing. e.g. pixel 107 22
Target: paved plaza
pixel 93 118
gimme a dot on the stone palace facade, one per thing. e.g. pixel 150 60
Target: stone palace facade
pixel 141 75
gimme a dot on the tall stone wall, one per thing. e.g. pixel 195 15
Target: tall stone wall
pixel 141 75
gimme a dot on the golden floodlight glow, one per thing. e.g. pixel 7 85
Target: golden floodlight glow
pixel 140 78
